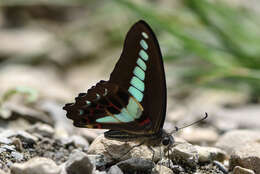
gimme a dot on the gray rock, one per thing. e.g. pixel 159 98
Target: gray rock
pixel 100 172
pixel 112 149
pixel 241 170
pixel 209 154
pixel 159 169
pixel 185 153
pixel 80 163
pixel 115 170
pixel 4 140
pixel 247 156
pixel 97 160
pixel 36 166
pixel 2 150
pixel 2 172
pixel 43 129
pixel 9 148
pixel 199 135
pixel 134 164
pixel 237 138
pixel 78 141
pixel 19 134
pixel 17 156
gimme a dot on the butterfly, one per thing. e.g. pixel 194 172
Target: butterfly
pixel 132 103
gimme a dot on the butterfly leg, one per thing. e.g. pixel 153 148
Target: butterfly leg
pixel 131 149
pixel 152 151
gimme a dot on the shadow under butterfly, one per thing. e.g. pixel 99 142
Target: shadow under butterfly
pixel 132 103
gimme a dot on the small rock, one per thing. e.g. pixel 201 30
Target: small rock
pixel 208 154
pixel 247 156
pixel 78 141
pixel 4 140
pixel 136 164
pixel 2 172
pixel 199 135
pixel 185 153
pixel 79 162
pixel 90 135
pixel 42 129
pixel 2 150
pixel 36 166
pixel 221 166
pixel 26 137
pixel 237 138
pixel 18 156
pixel 97 160
pixel 112 149
pixel 18 144
pixel 115 170
pixel 9 148
pixel 159 169
pixel 241 170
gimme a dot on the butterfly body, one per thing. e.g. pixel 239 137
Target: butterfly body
pixel 132 103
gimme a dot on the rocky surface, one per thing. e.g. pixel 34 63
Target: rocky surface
pixel 45 63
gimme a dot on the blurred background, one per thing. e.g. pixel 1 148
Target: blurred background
pixel 52 50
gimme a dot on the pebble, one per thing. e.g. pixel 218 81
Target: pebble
pixel 185 153
pixel 159 169
pixel 241 170
pixel 97 160
pixel 19 134
pixel 247 156
pixel 209 154
pixel 135 164
pixel 199 135
pixel 18 156
pixel 237 138
pixel 79 161
pixel 9 148
pixel 112 149
pixel 115 170
pixel 77 140
pixel 37 165
pixel 42 129
pixel 4 140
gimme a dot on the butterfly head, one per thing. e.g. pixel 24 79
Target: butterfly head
pixel 166 139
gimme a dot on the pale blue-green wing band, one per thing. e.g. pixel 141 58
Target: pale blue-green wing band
pixel 141 63
pixel 134 109
pixel 144 44
pixel 136 82
pixel 145 35
pixel 124 116
pixel 107 119
pixel 138 95
pixel 138 72
pixel 143 55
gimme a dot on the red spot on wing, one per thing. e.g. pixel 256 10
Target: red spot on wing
pixel 111 104
pixel 98 126
pixel 144 122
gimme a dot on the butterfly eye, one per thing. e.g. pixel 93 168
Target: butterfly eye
pixel 167 140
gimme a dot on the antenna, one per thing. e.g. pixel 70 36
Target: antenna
pixel 179 128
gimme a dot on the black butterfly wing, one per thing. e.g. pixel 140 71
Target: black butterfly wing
pixel 134 98
pixel 154 100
